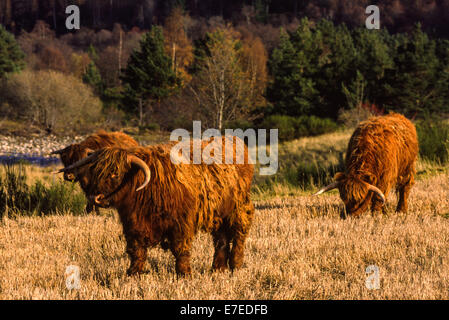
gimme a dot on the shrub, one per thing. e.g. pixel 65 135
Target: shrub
pixel 18 197
pixel 50 99
pixel 313 126
pixel 292 128
pixel 352 117
pixel 433 139
pixel 284 124
pixel 152 126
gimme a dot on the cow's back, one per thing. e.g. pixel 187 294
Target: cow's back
pixel 102 139
pixel 386 146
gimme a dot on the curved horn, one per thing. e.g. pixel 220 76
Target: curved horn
pixel 58 151
pixel 98 198
pixel 79 163
pixel 142 165
pixel 377 191
pixel 333 185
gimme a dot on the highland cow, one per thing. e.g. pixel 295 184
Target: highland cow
pixel 159 201
pixel 381 155
pixel 98 140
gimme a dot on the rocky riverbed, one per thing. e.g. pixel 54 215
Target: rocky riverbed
pixel 36 148
pixel 33 149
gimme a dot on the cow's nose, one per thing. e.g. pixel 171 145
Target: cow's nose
pixel 69 176
pixel 97 199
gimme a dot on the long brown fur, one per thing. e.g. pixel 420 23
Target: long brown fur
pixel 180 200
pixel 382 151
pixel 98 140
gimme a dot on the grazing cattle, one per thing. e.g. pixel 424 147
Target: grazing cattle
pixel 159 201
pixel 381 155
pixel 98 140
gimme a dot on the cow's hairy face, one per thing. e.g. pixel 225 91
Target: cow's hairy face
pixel 104 176
pixel 70 155
pixel 355 193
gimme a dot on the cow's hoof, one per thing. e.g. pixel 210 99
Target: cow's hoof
pixel 134 270
pixel 184 272
pixel 220 268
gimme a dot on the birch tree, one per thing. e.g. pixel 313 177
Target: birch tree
pixel 219 86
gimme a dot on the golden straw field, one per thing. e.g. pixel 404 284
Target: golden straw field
pixel 298 248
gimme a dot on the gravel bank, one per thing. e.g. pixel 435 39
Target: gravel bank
pixel 36 146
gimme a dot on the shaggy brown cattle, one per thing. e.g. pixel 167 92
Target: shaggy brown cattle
pixel 381 155
pixel 98 140
pixel 159 201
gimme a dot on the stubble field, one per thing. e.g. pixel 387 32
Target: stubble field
pixel 298 248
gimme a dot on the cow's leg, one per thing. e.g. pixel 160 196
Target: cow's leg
pixel 180 247
pixel 89 206
pixel 239 232
pixel 137 251
pixel 222 248
pixel 404 192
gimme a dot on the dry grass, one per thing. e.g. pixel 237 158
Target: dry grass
pixel 299 248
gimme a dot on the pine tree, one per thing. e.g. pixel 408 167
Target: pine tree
pixel 93 78
pixel 11 56
pixel 373 58
pixel 149 75
pixel 418 83
pixel 336 67
pixel 292 90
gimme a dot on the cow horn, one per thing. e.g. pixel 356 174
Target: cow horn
pixel 333 185
pixel 142 165
pixel 79 163
pixel 98 198
pixel 377 191
pixel 58 151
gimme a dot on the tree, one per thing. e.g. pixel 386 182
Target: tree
pixel 418 83
pixel 373 59
pixel 93 78
pixel 309 68
pixel 51 57
pixel 220 85
pixel 335 68
pixel 149 74
pixel 292 90
pixel 11 56
pixel 254 65
pixel 177 44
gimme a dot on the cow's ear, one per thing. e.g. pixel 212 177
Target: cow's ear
pixel 339 176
